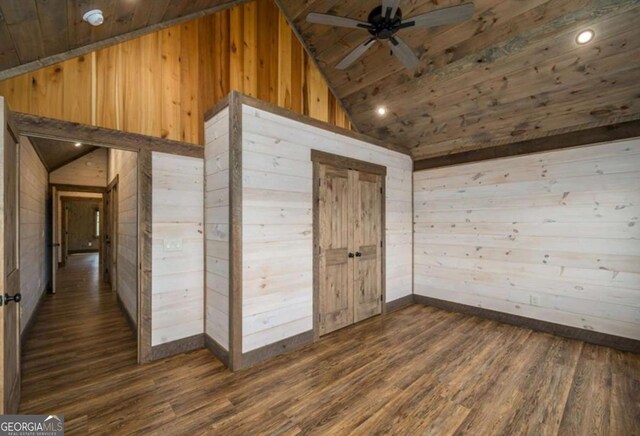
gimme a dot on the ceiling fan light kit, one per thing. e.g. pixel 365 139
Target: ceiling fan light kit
pixel 385 21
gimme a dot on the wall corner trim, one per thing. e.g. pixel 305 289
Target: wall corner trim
pixel 178 346
pixel 235 231
pixel 269 351
pixel 216 349
pixel 400 303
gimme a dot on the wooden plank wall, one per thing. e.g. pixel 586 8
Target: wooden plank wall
pixel 217 227
pixel 277 246
pixel 124 164
pixel 88 170
pixel 34 265
pixel 552 236
pixel 177 276
pixel 162 83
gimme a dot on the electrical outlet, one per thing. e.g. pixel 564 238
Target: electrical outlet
pixel 172 245
pixel 534 300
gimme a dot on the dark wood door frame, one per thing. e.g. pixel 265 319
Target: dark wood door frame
pixel 321 157
pixel 110 211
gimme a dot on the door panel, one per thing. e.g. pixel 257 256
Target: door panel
pixel 350 256
pixel 10 254
pixel 335 293
pixel 368 238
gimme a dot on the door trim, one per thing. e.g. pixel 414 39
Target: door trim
pixel 320 157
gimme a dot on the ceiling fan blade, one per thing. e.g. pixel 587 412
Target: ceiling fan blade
pixel 440 17
pixel 355 54
pixel 333 20
pixel 404 53
pixel 390 4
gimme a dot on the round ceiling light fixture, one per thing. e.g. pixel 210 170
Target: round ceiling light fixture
pixel 585 36
pixel 381 110
pixel 78 144
pixel 94 17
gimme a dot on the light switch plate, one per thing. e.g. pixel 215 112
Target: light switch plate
pixel 173 245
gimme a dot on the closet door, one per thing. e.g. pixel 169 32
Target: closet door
pixel 367 230
pixel 336 267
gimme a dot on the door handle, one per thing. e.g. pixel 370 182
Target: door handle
pixel 358 254
pixel 15 298
pixel 55 245
pixel 350 254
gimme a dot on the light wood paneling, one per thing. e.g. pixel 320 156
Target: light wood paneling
pixel 162 83
pixel 89 170
pixel 217 228
pixel 177 276
pixel 277 246
pixel 124 164
pixel 34 188
pixel 552 236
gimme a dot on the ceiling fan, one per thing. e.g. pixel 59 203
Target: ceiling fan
pixel 385 21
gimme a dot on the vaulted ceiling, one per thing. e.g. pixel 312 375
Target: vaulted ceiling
pixel 35 30
pixel 56 154
pixel 511 73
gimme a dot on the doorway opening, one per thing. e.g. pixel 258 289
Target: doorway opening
pixel 79 237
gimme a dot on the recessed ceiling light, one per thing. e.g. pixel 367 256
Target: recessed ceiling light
pixel 381 110
pixel 94 17
pixel 78 144
pixel 585 36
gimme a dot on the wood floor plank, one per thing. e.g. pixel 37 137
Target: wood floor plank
pixel 418 370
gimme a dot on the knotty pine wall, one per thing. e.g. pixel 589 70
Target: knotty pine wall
pixel 177 276
pixel 552 236
pixel 162 83
pixel 34 261
pixel 217 228
pixel 124 164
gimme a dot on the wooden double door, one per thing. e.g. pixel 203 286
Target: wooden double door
pixel 350 246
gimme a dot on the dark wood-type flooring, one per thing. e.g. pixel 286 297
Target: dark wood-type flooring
pixel 417 371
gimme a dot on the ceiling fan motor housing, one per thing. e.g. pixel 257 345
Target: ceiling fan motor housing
pixel 383 27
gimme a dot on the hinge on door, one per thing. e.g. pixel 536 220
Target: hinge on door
pixel 381 189
pixel 380 244
pixel 380 297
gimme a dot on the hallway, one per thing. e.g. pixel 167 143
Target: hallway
pixel 80 337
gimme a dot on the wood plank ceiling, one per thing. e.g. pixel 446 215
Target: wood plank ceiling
pixel 43 32
pixel 513 72
pixel 56 154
